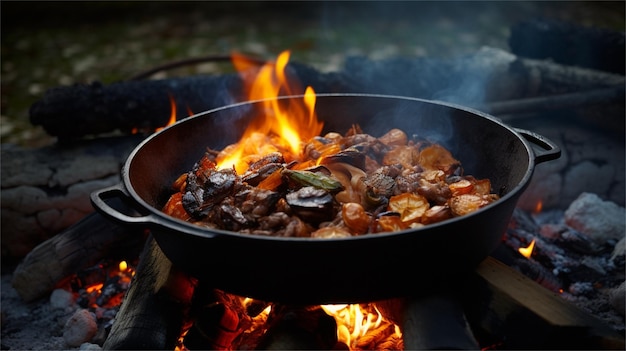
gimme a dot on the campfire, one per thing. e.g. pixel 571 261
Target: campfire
pixel 541 268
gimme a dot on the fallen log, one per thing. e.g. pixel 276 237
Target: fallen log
pixel 72 112
pixel 486 76
pixel 82 245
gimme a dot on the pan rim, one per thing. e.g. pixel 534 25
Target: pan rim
pixel 173 224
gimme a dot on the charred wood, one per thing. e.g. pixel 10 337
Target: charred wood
pixel 487 76
pixel 154 312
pixel 504 306
pixel 82 245
pixel 436 322
pixel 215 327
pixel 71 112
pixel 302 329
pixel 218 319
pixel 89 109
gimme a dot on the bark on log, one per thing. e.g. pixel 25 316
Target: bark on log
pixel 76 111
pixel 80 246
pixel 80 110
pixel 489 75
pixel 301 328
pixel 46 190
pixel 155 308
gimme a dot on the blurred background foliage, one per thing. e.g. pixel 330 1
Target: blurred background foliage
pixel 50 43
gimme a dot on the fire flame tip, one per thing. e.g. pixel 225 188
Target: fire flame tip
pixel 527 251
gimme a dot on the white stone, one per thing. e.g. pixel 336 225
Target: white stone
pixel 61 299
pixel 80 328
pixel 89 347
pixel 599 220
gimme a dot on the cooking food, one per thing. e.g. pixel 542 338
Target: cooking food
pixel 306 271
pixel 340 186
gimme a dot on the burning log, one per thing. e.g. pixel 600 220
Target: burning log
pixel 81 110
pixel 490 75
pixel 302 329
pixel 215 328
pixel 71 112
pixel 436 322
pixel 153 313
pixel 80 246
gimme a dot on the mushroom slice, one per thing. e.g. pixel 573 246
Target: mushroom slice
pixel 263 168
pixel 350 156
pixel 331 233
pixel 311 204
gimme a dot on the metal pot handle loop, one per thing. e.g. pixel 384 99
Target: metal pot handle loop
pixel 547 150
pixel 115 203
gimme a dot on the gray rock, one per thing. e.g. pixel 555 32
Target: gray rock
pixel 599 220
pixel 80 328
pixel 617 297
pixel 90 347
pixel 61 299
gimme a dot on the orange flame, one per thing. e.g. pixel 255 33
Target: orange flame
pixel 539 206
pixel 283 125
pixel 172 119
pixel 527 251
pixel 355 321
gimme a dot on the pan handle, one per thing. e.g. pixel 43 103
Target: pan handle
pixel 115 203
pixel 547 150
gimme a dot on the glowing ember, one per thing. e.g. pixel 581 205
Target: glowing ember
pixel 538 206
pixel 282 127
pixel 527 251
pixel 94 288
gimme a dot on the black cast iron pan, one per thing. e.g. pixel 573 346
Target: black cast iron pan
pixel 316 271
